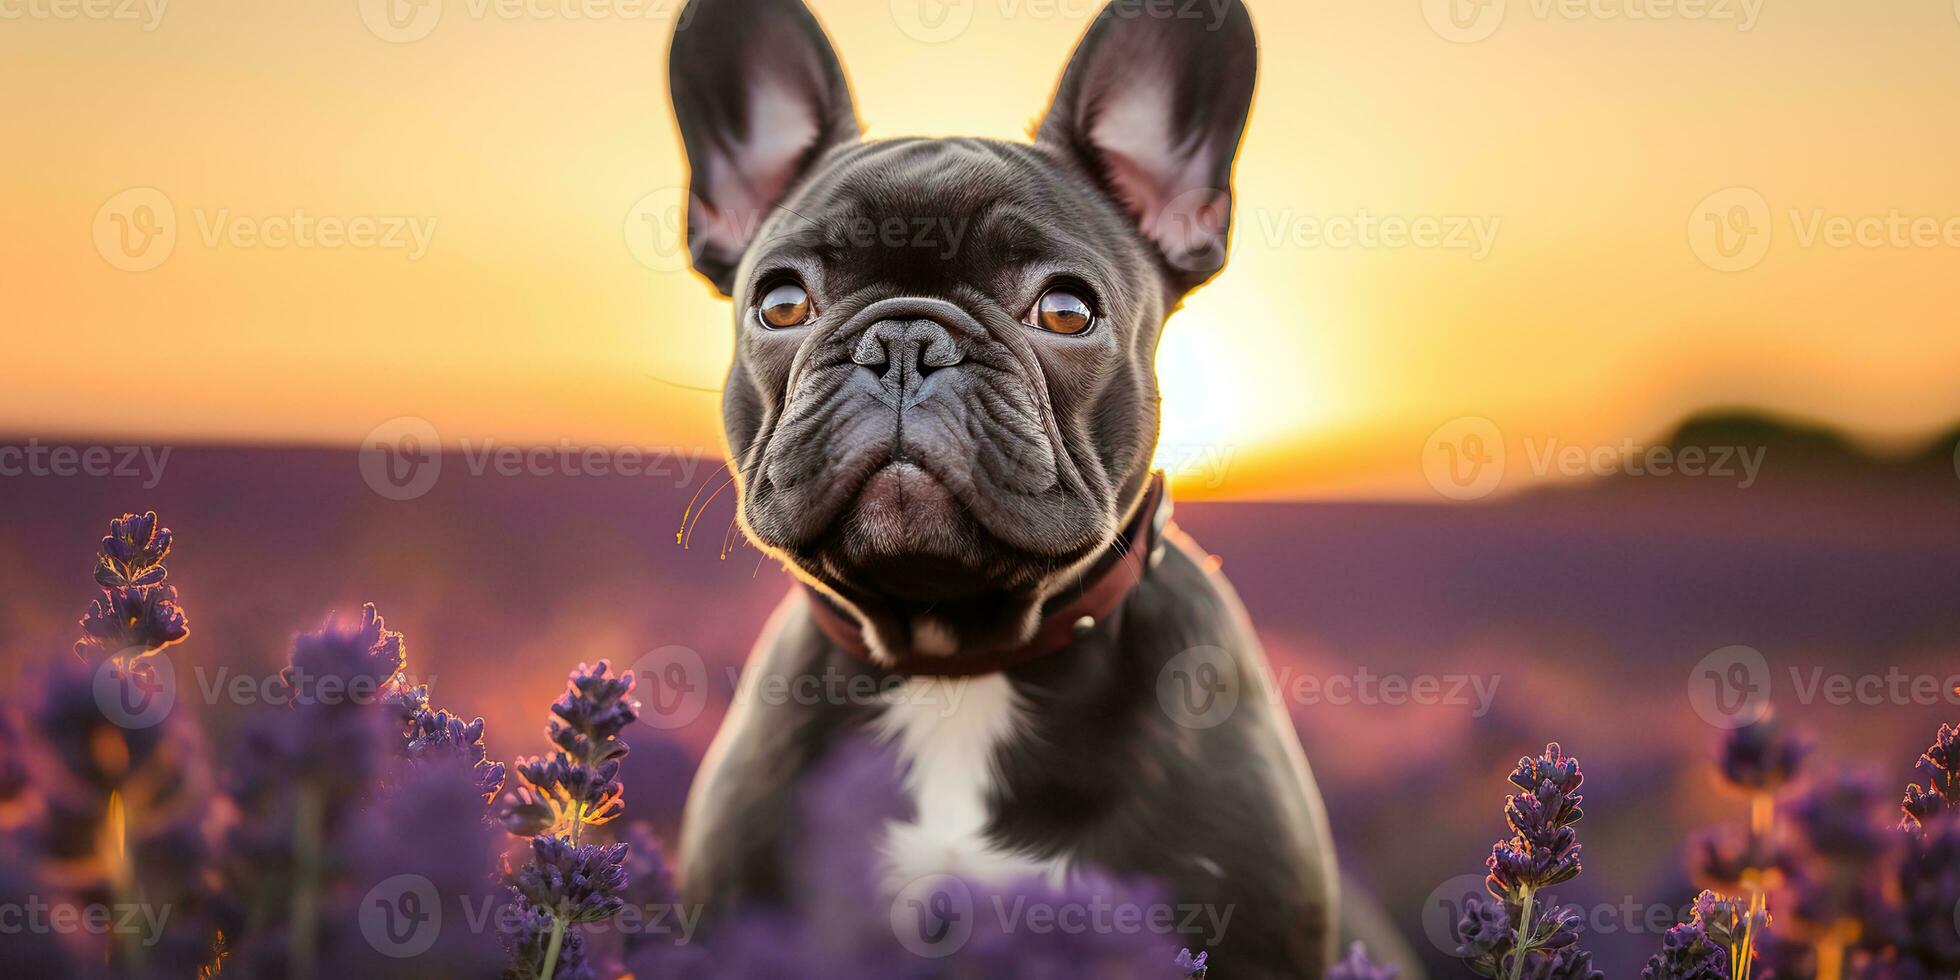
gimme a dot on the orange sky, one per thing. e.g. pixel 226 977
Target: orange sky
pixel 1578 140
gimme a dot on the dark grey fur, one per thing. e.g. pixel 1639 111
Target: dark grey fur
pixel 1020 453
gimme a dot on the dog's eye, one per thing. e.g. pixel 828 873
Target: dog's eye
pixel 784 305
pixel 1061 311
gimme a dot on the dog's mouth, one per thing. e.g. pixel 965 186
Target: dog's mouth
pixel 905 535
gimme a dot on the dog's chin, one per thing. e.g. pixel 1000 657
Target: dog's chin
pixel 927 575
pixel 906 537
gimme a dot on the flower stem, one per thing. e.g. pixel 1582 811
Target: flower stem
pixel 551 950
pixel 1762 813
pixel 1830 950
pixel 1762 820
pixel 308 818
pixel 1525 938
pixel 121 873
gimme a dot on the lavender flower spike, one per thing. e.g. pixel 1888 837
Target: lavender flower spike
pixel 1193 966
pixel 440 738
pixel 1761 757
pixel 1543 849
pixel 578 785
pixel 1940 765
pixel 1357 966
pixel 137 614
pixel 1687 954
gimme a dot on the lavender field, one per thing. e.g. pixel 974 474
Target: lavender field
pixel 1421 649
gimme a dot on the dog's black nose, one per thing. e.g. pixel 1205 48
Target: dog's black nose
pixel 902 352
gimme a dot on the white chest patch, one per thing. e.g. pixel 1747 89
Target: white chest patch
pixel 947 731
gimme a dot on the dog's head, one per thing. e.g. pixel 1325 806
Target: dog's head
pixel 943 401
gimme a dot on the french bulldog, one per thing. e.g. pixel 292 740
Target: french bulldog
pixel 941 415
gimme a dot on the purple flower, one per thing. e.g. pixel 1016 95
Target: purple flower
pixel 342 663
pixel 1929 894
pixel 1840 818
pixel 133 552
pixel 1782 956
pixel 1687 954
pixel 418 861
pixel 592 712
pixel 1728 861
pixel 573 882
pixel 438 738
pixel 1543 849
pixel 1938 765
pixel 1193 966
pixel 354 774
pixel 1483 934
pixel 131 621
pixel 1846 848
pixel 137 614
pixel 1514 934
pixel 103 789
pixel 1728 922
pixel 558 790
pixel 531 943
pixel 1761 757
pixel 579 784
pixel 557 797
pixel 1357 966
pixel 1568 963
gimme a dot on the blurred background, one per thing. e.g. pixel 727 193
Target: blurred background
pixel 1563 347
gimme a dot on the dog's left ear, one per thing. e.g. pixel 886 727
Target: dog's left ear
pixel 1153 104
pixel 759 95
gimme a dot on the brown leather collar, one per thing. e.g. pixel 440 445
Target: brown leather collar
pixel 1097 595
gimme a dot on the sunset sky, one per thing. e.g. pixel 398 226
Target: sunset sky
pixel 1590 175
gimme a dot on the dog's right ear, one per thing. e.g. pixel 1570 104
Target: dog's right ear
pixel 1153 105
pixel 759 95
